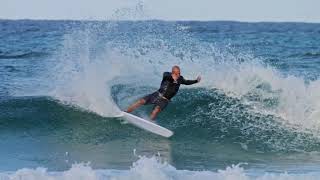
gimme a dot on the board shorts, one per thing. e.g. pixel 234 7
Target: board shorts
pixel 156 99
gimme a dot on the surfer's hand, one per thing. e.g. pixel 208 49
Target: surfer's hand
pixel 199 78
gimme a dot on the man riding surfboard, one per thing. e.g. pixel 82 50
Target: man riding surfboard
pixel 169 87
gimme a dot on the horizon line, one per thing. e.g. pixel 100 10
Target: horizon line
pixel 164 20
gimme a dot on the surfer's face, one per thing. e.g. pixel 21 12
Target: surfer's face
pixel 176 71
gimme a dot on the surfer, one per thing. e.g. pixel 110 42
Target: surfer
pixel 169 87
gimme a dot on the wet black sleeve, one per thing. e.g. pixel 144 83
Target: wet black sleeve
pixel 166 75
pixel 188 82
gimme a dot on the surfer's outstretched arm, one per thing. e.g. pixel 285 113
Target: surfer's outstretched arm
pixel 135 105
pixel 189 82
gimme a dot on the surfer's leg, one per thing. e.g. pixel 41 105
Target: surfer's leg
pixel 155 112
pixel 148 99
pixel 135 105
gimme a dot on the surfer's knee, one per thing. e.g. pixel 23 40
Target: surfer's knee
pixel 155 112
pixel 141 101
pixel 157 108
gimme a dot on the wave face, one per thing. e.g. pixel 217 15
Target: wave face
pixel 64 84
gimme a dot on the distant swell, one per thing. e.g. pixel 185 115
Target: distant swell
pixel 23 55
pixel 312 54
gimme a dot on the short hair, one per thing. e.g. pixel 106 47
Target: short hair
pixel 175 67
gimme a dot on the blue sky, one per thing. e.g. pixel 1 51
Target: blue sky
pixel 240 10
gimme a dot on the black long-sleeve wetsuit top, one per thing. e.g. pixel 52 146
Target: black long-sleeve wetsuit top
pixel 169 87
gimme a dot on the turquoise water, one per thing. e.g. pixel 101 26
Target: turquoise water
pixel 254 116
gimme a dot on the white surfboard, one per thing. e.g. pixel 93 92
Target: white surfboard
pixel 147 125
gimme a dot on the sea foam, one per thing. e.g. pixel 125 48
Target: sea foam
pixel 150 169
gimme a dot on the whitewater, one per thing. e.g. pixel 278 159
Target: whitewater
pixel 148 168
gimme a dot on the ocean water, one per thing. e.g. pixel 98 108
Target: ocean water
pixel 255 114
